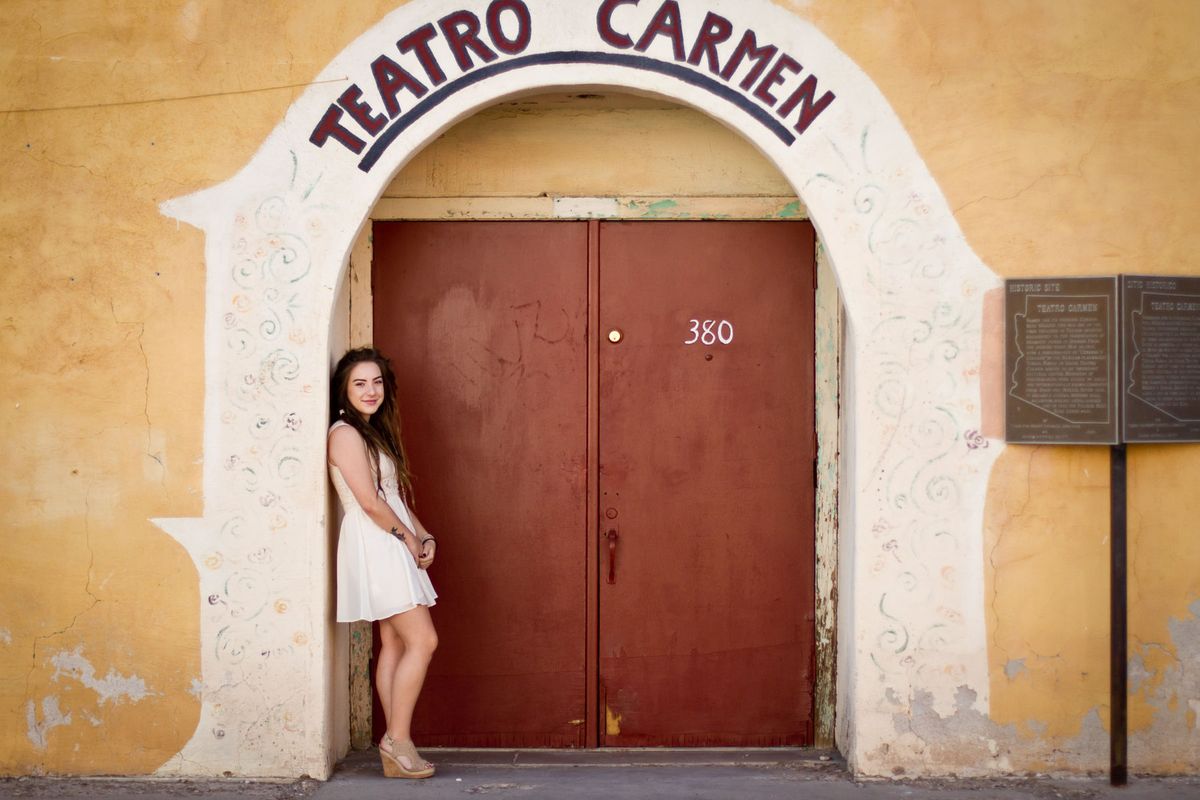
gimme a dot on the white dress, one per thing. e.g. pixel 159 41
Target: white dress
pixel 377 576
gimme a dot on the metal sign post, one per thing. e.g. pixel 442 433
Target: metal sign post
pixel 1119 661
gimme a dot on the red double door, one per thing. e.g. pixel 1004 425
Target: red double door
pixel 611 427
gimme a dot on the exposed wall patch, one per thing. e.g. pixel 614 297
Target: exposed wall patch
pixel 113 686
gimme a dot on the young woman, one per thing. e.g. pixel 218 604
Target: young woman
pixel 383 549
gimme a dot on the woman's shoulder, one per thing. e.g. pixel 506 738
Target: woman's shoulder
pixel 343 432
pixel 345 444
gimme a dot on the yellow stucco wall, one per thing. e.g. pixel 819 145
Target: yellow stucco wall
pixel 1062 133
pixel 110 108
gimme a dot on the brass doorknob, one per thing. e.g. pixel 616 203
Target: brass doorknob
pixel 615 335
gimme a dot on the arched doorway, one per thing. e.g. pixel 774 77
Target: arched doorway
pixel 464 361
pixel 278 237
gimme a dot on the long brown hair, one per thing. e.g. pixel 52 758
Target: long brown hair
pixel 380 431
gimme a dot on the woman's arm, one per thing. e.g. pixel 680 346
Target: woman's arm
pixel 348 452
pixel 428 543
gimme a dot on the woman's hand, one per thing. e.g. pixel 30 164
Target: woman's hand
pixel 409 540
pixel 414 547
pixel 428 550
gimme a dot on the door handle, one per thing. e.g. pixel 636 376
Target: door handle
pixel 612 537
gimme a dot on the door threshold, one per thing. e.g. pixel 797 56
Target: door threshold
pixel 806 757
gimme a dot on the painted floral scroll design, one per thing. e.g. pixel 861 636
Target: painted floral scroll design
pixel 921 352
pixel 266 335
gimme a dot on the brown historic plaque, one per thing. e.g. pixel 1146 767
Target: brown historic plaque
pixel 1160 357
pixel 1060 358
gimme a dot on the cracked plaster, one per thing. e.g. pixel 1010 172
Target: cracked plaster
pixel 1173 736
pixel 968 743
pixel 1050 676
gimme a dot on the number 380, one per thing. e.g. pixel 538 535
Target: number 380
pixel 711 331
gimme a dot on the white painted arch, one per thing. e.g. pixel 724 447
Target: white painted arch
pixel 914 467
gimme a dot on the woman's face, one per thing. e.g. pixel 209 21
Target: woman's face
pixel 365 389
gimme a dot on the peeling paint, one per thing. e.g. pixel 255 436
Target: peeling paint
pixel 659 207
pixel 965 740
pixel 612 721
pixel 52 717
pixel 113 686
pixel 968 743
pixel 1087 751
pixel 5 636
pixel 1172 737
pixel 828 423
pixel 1014 667
pixel 790 211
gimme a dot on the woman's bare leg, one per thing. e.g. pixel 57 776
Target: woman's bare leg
pixel 414 633
pixel 390 650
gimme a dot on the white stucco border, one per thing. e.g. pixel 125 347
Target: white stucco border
pixel 914 470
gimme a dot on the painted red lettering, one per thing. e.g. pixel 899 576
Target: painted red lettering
pixel 390 78
pixel 351 100
pixel 774 76
pixel 809 110
pixel 604 24
pixel 461 30
pixel 496 31
pixel 330 126
pixel 714 30
pixel 418 42
pixel 761 56
pixel 665 23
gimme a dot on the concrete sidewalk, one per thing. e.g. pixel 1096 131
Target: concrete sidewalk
pixel 592 775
